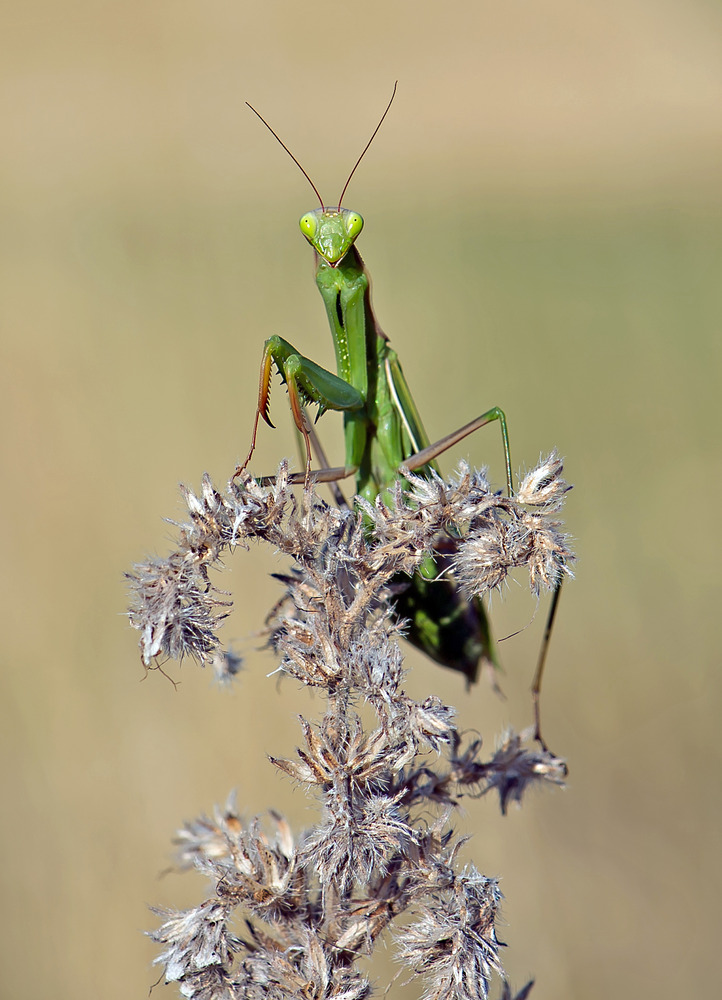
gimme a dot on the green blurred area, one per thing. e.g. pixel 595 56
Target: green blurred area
pixel 543 217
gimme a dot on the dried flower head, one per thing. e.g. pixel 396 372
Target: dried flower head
pixel 383 844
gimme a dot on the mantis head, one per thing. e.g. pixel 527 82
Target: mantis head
pixel 331 231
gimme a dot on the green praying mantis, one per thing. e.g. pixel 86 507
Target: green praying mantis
pixel 382 428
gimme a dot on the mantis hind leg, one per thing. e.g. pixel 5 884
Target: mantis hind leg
pixel 426 455
pixel 539 672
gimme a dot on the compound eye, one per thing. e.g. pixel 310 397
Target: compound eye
pixel 309 225
pixel 354 224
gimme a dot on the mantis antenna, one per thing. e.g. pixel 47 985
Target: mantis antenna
pixel 373 136
pixel 277 137
pixel 280 141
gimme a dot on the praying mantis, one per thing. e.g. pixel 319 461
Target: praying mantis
pixel 382 427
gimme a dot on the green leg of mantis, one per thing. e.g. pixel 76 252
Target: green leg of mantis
pixel 307 383
pixel 433 451
pixel 427 455
pixel 539 672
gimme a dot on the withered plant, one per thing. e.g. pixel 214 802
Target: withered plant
pixel 313 904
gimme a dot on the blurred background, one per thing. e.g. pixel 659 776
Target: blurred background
pixel 543 209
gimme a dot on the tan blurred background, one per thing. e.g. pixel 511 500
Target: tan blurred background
pixel 543 211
